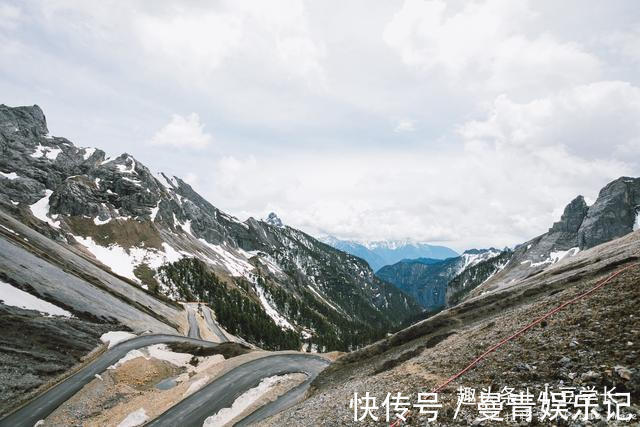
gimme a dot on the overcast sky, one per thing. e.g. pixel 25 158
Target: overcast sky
pixel 468 123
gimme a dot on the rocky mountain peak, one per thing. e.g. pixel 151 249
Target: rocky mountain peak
pixel 273 219
pixel 572 217
pixel 613 214
pixel 24 120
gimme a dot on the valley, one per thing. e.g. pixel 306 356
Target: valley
pixel 222 321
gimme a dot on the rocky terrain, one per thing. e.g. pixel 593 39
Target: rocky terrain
pixel 592 343
pixel 427 279
pixel 115 217
pixel 28 364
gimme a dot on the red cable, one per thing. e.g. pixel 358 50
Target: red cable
pixel 523 330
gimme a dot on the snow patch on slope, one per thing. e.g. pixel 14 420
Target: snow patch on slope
pixel 235 265
pixel 113 338
pixel 127 169
pixel 10 175
pixel 471 259
pixel 271 311
pixel 244 401
pixel 48 152
pixel 40 210
pixel 10 295
pixel 154 212
pixel 134 419
pixel 124 263
pixel 322 298
pixel 556 256
pixel 88 152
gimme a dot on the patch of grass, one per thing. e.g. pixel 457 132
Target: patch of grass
pixel 227 349
pixel 407 355
pixel 146 276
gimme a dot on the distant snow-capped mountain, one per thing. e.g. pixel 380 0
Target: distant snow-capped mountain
pixel 387 252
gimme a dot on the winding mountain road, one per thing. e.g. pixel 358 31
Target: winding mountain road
pixel 43 405
pixel 192 411
pixel 222 392
pixel 213 325
pixel 194 330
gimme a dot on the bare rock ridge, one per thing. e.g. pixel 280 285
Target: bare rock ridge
pixel 613 214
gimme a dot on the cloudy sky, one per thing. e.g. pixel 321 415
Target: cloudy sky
pixel 469 123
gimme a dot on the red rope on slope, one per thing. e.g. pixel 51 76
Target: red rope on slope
pixel 523 330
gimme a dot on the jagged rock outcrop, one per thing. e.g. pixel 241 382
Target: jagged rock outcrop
pixel 613 214
pixel 273 219
pixel 572 217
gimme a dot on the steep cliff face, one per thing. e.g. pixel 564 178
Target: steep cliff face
pixel 117 213
pixel 614 213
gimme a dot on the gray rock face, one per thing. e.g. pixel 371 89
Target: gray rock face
pixel 274 220
pixel 27 364
pixel 572 217
pixel 613 214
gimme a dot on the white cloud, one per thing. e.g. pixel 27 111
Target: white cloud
pixel 182 132
pixel 506 181
pixel 483 45
pixel 405 125
pixel 10 16
pixel 595 121
pixel 194 42
pixel 625 43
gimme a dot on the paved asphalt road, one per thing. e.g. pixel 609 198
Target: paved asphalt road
pixel 222 392
pixel 46 403
pixel 214 326
pixel 285 401
pixel 194 330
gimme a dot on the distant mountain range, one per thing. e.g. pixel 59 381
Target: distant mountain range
pixel 381 253
pixel 426 279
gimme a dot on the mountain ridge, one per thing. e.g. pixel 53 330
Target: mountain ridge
pixel 115 212
pixel 386 252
